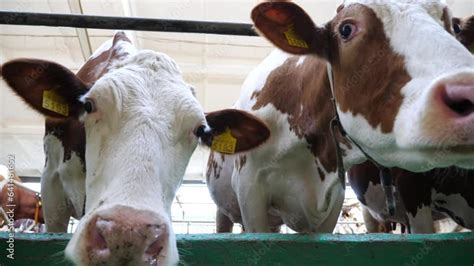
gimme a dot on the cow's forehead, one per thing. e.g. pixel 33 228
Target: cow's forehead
pixel 400 3
pixel 387 9
pixel 142 78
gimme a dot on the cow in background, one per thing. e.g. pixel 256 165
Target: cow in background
pixel 19 204
pixel 400 98
pixel 464 31
pixel 141 123
pixel 436 194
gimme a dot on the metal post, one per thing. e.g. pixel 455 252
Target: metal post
pixel 125 23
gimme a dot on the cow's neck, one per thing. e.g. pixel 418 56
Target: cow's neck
pixel 302 91
pixel 71 133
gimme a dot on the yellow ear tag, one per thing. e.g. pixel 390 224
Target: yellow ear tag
pixel 471 48
pixel 294 39
pixel 224 143
pixel 55 103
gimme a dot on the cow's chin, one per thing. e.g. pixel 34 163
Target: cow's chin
pixel 142 244
pixel 427 158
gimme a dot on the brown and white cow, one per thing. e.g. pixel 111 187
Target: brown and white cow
pixel 141 123
pixel 421 198
pixel 18 201
pixel 404 90
pixel 63 177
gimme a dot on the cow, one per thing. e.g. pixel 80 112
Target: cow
pixel 373 225
pixel 63 177
pixel 141 124
pixel 396 84
pixel 421 198
pixel 18 201
pixel 434 190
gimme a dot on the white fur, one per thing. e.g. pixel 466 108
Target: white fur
pixel 280 177
pixel 376 199
pixel 422 223
pixel 300 60
pixel 257 78
pixel 139 141
pixel 4 171
pixel 62 186
pixel 458 205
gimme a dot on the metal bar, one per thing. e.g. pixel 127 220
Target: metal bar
pixel 37 179
pixel 125 23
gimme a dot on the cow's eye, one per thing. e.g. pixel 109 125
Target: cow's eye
pixel 346 30
pixel 457 28
pixel 89 106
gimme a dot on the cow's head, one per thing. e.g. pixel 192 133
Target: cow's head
pixel 464 31
pixel 142 124
pixel 404 85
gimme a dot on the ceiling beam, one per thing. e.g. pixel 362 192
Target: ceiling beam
pixel 76 8
pixel 128 12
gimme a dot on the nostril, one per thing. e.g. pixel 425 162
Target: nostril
pixel 158 240
pixel 155 248
pixel 97 237
pixel 459 99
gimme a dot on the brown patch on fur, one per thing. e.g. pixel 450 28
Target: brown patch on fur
pixel 255 94
pixel 373 89
pixel 360 176
pixel 241 162
pixel 466 36
pixel 321 173
pixel 416 188
pixel 303 93
pixel 213 168
pixel 71 132
pixel 446 18
pixel 95 68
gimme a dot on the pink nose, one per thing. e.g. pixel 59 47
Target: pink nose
pixel 458 98
pixel 127 237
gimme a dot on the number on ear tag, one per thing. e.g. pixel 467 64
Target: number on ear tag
pixel 294 39
pixel 224 143
pixel 55 103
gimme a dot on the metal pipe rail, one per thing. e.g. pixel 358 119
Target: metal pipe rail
pixel 125 23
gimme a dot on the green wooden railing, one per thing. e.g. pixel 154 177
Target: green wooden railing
pixel 277 249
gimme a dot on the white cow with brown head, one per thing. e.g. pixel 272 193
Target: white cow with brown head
pixel 403 89
pixel 142 123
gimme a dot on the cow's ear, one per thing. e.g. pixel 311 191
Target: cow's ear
pixel 290 28
pixel 49 88
pixel 231 131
